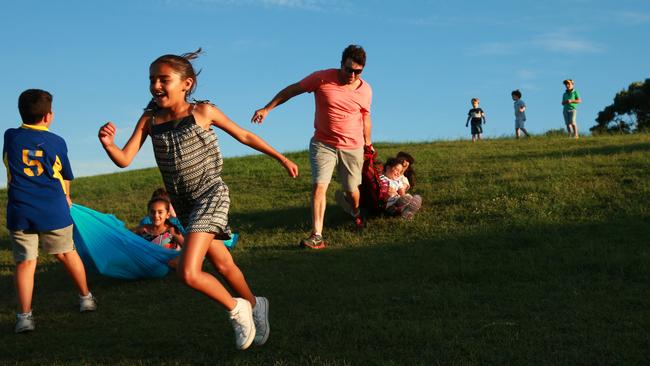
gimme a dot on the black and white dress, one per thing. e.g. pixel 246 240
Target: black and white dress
pixel 190 163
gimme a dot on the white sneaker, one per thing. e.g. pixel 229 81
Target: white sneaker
pixel 261 320
pixel 24 323
pixel 87 303
pixel 241 318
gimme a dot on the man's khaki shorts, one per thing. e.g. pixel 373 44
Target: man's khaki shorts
pixel 25 242
pixel 325 158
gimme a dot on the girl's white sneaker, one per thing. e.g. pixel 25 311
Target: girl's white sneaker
pixel 241 318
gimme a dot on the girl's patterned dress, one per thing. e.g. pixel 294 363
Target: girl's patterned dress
pixel 190 163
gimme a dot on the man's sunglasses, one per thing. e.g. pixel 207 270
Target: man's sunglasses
pixel 350 70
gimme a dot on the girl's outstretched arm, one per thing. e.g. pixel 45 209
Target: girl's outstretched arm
pixel 124 156
pixel 211 115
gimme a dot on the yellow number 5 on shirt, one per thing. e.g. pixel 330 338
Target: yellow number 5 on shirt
pixel 29 160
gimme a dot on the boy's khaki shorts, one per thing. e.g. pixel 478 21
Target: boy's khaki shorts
pixel 570 116
pixel 25 242
pixel 325 158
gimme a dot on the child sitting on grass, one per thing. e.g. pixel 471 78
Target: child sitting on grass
pixel 399 202
pixel 162 193
pixel 161 231
pixel 408 173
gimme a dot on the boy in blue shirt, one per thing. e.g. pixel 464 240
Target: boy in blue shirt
pixel 38 205
pixel 520 113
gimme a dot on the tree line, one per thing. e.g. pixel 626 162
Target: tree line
pixel 629 113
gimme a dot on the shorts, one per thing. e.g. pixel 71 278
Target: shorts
pixel 477 129
pixel 25 242
pixel 520 123
pixel 325 158
pixel 570 116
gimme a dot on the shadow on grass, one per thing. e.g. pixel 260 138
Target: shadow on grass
pixel 495 296
pixel 290 219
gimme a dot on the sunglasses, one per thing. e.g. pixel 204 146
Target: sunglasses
pixel 350 70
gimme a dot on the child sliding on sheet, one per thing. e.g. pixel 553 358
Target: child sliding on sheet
pixel 189 159
pixel 161 231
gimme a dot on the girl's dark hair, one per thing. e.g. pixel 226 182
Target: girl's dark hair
pixel 183 66
pixel 409 173
pixel 354 52
pixel 152 106
pixel 162 199
pixel 160 192
pixel 406 156
pixel 391 162
pixel 517 93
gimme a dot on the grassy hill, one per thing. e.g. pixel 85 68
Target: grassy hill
pixel 526 252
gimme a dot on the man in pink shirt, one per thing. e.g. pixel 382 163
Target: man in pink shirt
pixel 342 127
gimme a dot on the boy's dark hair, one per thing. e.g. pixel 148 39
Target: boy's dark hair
pixel 183 66
pixel 516 93
pixel 475 100
pixel 33 105
pixel 354 52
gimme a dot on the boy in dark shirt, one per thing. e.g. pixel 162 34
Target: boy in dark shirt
pixel 38 206
pixel 477 117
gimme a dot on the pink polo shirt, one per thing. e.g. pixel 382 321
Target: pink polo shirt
pixel 338 119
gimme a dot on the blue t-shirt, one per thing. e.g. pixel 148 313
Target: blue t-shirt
pixel 37 165
pixel 520 116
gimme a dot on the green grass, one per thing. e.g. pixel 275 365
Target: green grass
pixel 531 252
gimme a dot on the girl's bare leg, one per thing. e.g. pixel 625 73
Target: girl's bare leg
pixel 222 261
pixel 190 269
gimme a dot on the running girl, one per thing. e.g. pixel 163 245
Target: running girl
pixel 189 159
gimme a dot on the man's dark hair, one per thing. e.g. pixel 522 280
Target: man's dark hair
pixel 516 93
pixel 355 53
pixel 33 105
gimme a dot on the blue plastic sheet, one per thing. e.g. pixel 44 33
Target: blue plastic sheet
pixel 106 246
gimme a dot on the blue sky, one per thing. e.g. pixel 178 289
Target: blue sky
pixel 426 60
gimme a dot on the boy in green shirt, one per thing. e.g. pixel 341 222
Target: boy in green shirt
pixel 570 100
